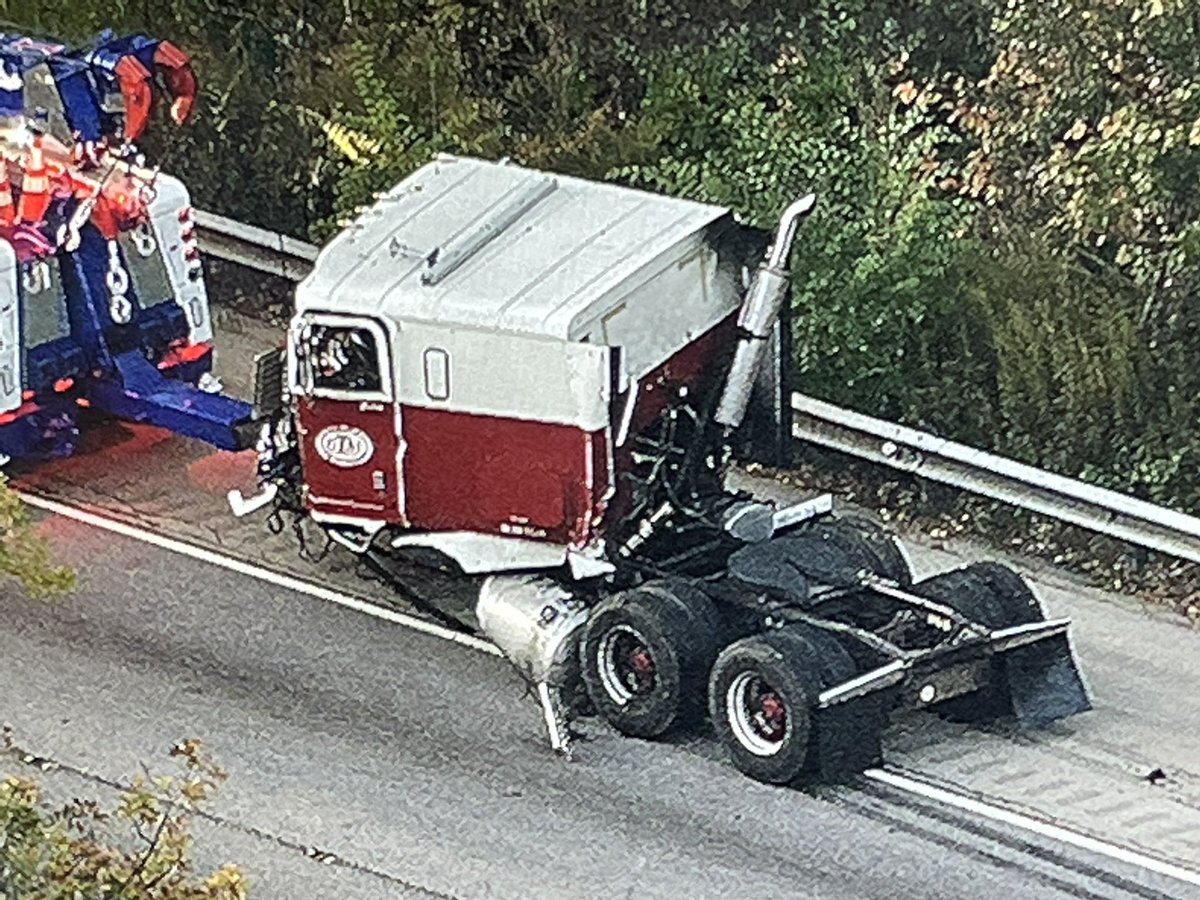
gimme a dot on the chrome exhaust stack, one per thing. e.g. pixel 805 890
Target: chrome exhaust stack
pixel 759 312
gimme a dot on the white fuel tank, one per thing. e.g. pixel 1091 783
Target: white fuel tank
pixel 534 621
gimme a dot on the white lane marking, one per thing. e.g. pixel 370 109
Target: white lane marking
pixel 252 571
pixel 1030 823
pixel 892 779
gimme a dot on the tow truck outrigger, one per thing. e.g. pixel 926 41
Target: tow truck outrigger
pixel 526 386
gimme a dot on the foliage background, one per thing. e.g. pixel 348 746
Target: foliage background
pixel 136 848
pixel 24 556
pixel 1007 248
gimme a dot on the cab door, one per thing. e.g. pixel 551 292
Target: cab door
pixel 348 418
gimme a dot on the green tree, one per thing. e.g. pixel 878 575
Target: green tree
pixel 25 555
pixel 137 850
pixel 1083 152
pixel 879 267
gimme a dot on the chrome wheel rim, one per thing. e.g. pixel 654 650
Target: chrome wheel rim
pixel 627 668
pixel 757 714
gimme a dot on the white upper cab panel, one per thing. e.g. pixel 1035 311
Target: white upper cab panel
pixel 498 248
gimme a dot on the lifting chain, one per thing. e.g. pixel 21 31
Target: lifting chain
pixel 117 281
pixel 144 241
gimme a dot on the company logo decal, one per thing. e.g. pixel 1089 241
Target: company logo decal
pixel 344 446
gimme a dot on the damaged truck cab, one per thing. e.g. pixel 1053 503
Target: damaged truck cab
pixel 478 394
pixel 529 386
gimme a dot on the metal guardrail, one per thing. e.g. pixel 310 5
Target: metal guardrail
pixel 254 247
pixel 903 448
pixel 998 477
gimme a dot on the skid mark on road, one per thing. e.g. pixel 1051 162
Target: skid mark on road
pixel 991 810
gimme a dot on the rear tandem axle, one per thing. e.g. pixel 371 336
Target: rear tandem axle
pixel 795 650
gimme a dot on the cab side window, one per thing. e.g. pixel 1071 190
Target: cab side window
pixel 344 359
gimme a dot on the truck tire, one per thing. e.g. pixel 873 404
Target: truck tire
pixel 645 659
pixel 993 595
pixel 761 695
pixel 1015 602
pixel 893 562
pixel 874 545
pixel 698 606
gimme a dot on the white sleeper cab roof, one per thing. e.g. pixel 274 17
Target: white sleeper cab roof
pixel 498 247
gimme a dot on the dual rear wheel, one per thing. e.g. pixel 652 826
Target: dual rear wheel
pixel 645 654
pixel 995 596
pixel 658 659
pixel 651 667
pixel 653 664
pixel 763 697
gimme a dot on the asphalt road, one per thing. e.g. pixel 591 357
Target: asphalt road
pixel 1087 771
pixel 371 761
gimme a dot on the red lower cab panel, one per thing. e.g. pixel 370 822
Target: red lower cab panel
pixel 465 472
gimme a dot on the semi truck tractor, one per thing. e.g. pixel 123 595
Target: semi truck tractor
pixel 515 395
pixel 102 296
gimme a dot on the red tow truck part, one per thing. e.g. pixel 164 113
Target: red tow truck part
pixel 102 297
pixel 524 388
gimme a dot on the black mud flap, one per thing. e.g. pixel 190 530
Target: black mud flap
pixel 1043 681
pixel 846 738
